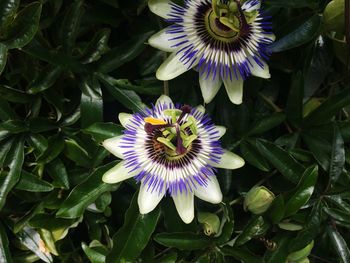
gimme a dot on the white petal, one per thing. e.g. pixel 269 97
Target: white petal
pixel 147 199
pixel 161 8
pixel 209 86
pixel 258 71
pixel 173 67
pixel 161 41
pixel 229 160
pixel 221 130
pixel 164 99
pixel 234 89
pixel 124 118
pixel 200 109
pixel 248 7
pixel 185 206
pixel 210 193
pixel 118 173
pixel 113 146
pixel 270 36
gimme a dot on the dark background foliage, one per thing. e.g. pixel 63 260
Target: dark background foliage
pixel 69 67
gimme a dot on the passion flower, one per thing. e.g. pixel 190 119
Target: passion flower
pixel 171 149
pixel 226 40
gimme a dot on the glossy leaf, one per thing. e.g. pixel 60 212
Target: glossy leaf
pixel 3 57
pixel 5 255
pixel 283 161
pixel 118 56
pixel 303 34
pixel 16 157
pixel 255 227
pixel 134 235
pixel 329 108
pixel 338 155
pixel 267 124
pixel 91 102
pixel 339 244
pixel 101 131
pixel 303 191
pixel 85 193
pixel 8 10
pixel 32 183
pixel 183 240
pixel 24 26
pixel 126 97
pixel 96 47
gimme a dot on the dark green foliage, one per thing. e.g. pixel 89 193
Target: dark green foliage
pixel 69 67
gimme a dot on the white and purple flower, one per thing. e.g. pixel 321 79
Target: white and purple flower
pixel 171 149
pixel 225 39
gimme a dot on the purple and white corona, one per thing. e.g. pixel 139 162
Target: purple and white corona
pixel 226 40
pixel 171 149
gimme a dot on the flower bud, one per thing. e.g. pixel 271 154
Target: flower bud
pixel 211 223
pixel 258 199
pixel 301 255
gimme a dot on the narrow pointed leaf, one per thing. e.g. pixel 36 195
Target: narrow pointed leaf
pixel 134 235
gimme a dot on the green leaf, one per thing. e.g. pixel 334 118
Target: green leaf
pixel 16 157
pixel 303 34
pixel 24 26
pixel 5 255
pixel 91 104
pixel 126 97
pixel 339 244
pixel 257 226
pixel 70 25
pixel 5 147
pixel 227 225
pixel 183 240
pixel 320 148
pixel 338 156
pixel 267 124
pixel 56 147
pixel 251 155
pixel 101 131
pixel 338 214
pixel 6 112
pixel 14 95
pixel 329 108
pixel 280 253
pixel 311 229
pixel 77 153
pixel 242 254
pixel 32 240
pixel 148 87
pixel 292 3
pixel 8 10
pixel 85 193
pixel 52 56
pixel 3 57
pixel 303 191
pixel 118 56
pixel 134 235
pixel 277 210
pixel 58 172
pixel 281 159
pixel 31 183
pixel 96 47
pixel 45 80
pixel 333 15
pixel 96 254
pixel 294 107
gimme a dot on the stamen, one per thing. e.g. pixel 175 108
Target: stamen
pixel 180 148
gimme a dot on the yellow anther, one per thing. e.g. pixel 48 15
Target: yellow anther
pixel 154 121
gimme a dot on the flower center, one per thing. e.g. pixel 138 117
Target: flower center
pixel 172 138
pixel 225 20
